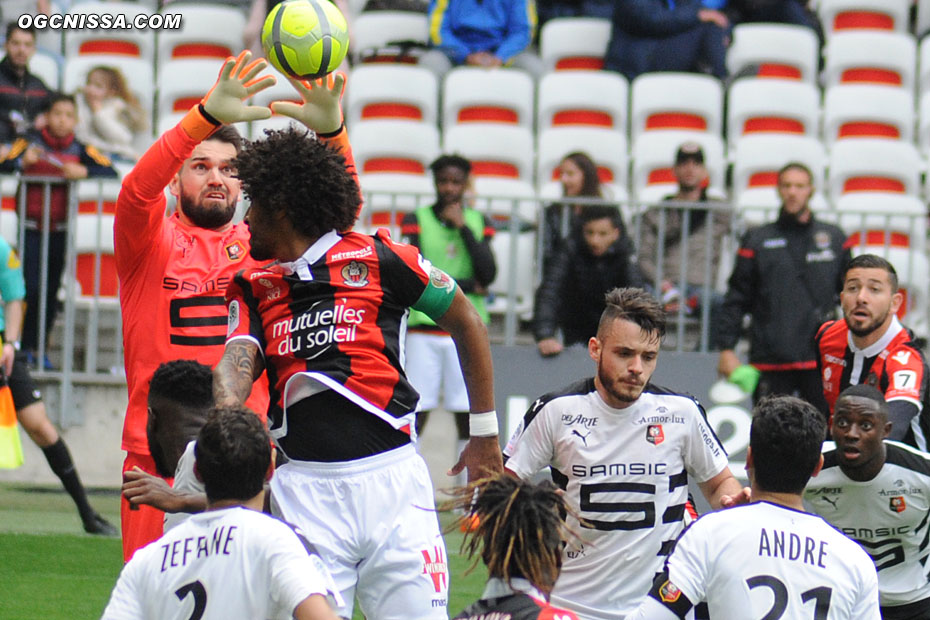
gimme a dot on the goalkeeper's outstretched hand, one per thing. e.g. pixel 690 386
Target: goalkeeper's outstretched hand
pixel 237 82
pixel 321 110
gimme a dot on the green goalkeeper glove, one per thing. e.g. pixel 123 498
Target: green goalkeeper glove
pixel 321 110
pixel 237 82
pixel 746 377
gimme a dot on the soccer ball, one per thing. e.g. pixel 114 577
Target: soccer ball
pixel 305 39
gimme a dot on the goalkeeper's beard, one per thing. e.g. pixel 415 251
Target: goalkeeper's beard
pixel 206 217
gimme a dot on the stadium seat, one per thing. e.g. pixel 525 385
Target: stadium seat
pixel 923 18
pixel 387 197
pixel 865 111
pixel 209 31
pixel 880 219
pixel 653 156
pixel 126 42
pixel 9 219
pixel 494 150
pixel 515 254
pixel 372 30
pixel 781 51
pixel 47 67
pixel 755 172
pixel 675 101
pixel 883 58
pixel 477 95
pixel 756 107
pixel 138 72
pixel 394 147
pixel 398 92
pixel 183 83
pixel 854 15
pixel 873 165
pixel 574 43
pixel 94 237
pixel 923 124
pixel 582 98
pixel 923 62
pixel 607 147
pixel 502 198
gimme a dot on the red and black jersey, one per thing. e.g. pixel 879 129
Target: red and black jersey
pixel 894 364
pixel 335 319
pixel 513 604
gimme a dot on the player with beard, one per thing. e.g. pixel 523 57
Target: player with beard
pixel 622 449
pixel 871 346
pixel 174 269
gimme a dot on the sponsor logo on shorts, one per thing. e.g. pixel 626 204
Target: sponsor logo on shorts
pixel 436 568
pixel 654 434
pixel 669 592
pixel 235 251
pixel 896 504
pixel 355 274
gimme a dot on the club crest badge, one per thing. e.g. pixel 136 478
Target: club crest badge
pixel 897 503
pixel 355 274
pixel 235 251
pixel 654 434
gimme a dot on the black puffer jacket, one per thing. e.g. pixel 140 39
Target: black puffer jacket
pixel 26 95
pixel 571 295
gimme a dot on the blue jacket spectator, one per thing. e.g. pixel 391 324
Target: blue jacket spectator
pixel 667 35
pixel 485 33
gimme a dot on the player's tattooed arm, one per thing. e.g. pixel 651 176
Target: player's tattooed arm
pixel 240 365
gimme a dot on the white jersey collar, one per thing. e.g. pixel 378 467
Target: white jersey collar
pixel 498 588
pixel 879 345
pixel 315 252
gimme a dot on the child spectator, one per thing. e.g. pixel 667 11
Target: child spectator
pixel 109 115
pixel 578 176
pixel 571 296
pixel 51 152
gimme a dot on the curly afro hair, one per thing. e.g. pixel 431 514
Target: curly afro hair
pixel 289 169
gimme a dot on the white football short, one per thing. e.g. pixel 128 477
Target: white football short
pixel 432 367
pixel 374 523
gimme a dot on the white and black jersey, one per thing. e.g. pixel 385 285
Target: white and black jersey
pixel 887 515
pixel 626 472
pixel 221 564
pixel 765 561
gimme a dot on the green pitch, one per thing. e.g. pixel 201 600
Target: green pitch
pixel 50 569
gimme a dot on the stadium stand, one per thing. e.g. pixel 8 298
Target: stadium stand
pixel 494 150
pixel 126 42
pixel 574 43
pixel 839 16
pixel 866 111
pixel 653 156
pixel 873 165
pixel 607 147
pixel 475 95
pixel 767 107
pixel 778 51
pixel 885 58
pixel 677 102
pixel 582 99
pixel 374 31
pixel 209 31
pixel 398 92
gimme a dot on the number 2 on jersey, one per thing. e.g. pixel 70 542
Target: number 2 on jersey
pixel 780 591
pixel 199 593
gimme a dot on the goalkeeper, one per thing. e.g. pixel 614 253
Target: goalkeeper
pixel 174 269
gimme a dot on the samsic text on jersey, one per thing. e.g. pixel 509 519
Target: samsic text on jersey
pixel 626 472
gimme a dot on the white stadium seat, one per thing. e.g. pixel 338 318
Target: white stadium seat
pixel 854 15
pixel 873 165
pixel 871 57
pixel 209 31
pixel 127 42
pixel 386 91
pixel 375 29
pixel 653 156
pixel 865 111
pixel 780 107
pixel 478 95
pixel 574 43
pixel 675 101
pixel 582 98
pixel 781 51
pixel 606 147
pixel 494 150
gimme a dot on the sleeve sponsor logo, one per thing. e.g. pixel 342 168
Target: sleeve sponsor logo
pixel 441 280
pixel 902 357
pixel 232 323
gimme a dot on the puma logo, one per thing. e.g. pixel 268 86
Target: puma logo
pixel 832 502
pixel 584 438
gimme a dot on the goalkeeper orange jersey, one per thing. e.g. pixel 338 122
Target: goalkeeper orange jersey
pixel 173 279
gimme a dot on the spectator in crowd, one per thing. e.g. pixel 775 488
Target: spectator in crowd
pixel 871 346
pixel 53 152
pixel 664 35
pixel 481 33
pixel 23 96
pixel 456 239
pixel 551 9
pixel 109 115
pixel 867 484
pixel 571 296
pixel 180 396
pixel 27 399
pixel 578 177
pixel 677 239
pixel 520 533
pixel 787 277
pixel 797 12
